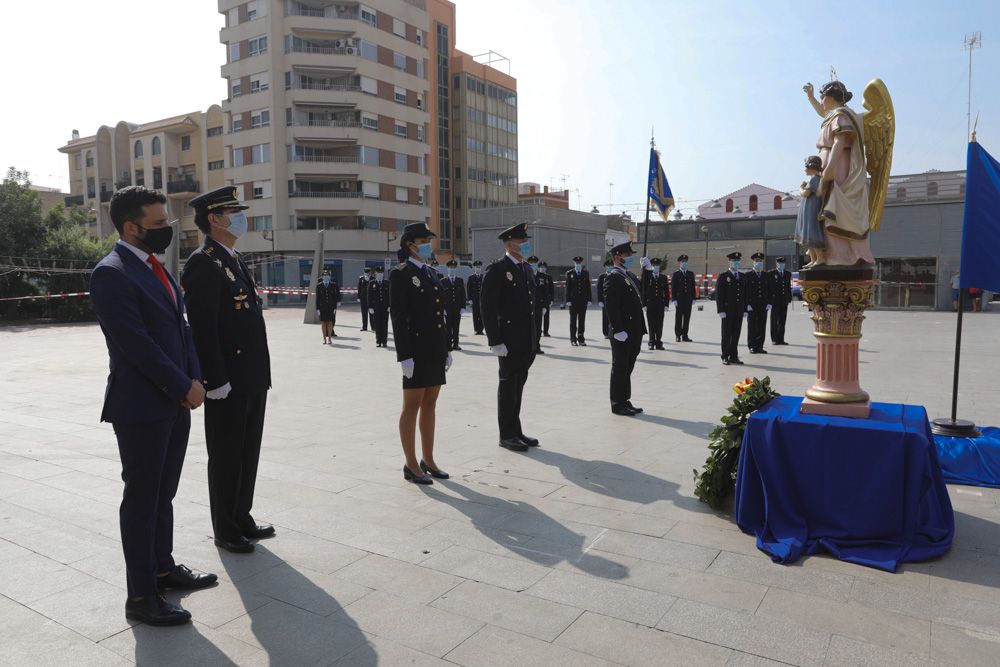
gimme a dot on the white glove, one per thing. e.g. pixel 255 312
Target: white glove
pixel 317 314
pixel 447 363
pixel 567 304
pixel 499 350
pixel 407 365
pixel 749 308
pixel 769 306
pixel 621 336
pixel 371 310
pixel 219 393
pixel 722 315
pixel 600 304
pixel 461 311
pixel 645 263
pixel 673 303
pixel 544 310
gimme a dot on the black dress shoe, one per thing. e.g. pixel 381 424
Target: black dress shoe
pixel 726 362
pixel 583 342
pixel 183 579
pixel 546 335
pixel 633 408
pixel 411 476
pixel 761 351
pixel 539 351
pixel 238 546
pixel 155 610
pixel 457 348
pixel 737 361
pixel 687 340
pixel 659 346
pixel 436 474
pixel 514 444
pixel 528 440
pixel 623 410
pixel 573 343
pixel 678 338
pixel 479 333
pixel 259 532
pixel 752 351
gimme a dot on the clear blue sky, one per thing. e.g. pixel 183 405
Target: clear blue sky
pixel 720 81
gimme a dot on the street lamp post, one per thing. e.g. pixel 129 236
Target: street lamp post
pixel 704 276
pixel 268 235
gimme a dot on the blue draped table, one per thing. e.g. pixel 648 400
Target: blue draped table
pixel 972 461
pixel 869 491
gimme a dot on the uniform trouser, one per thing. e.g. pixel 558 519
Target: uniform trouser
pixel 538 322
pixel 605 326
pixel 682 319
pixel 234 427
pixel 364 312
pixel 545 318
pixel 380 322
pixel 513 374
pixel 577 321
pixel 152 455
pixel 756 328
pixel 779 313
pixel 623 356
pixel 732 325
pixel 477 317
pixel 654 320
pixel 454 323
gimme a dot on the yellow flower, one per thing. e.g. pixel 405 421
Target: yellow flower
pixel 739 388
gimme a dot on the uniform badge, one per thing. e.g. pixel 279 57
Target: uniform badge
pixel 240 301
pixel 416 281
pixel 229 274
pixel 218 262
pixel 510 276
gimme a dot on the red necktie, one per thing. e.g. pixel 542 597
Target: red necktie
pixel 162 275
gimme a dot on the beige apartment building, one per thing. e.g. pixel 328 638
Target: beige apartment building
pixel 181 156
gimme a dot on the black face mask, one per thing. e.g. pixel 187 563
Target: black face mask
pixel 157 239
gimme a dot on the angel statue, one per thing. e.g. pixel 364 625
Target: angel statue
pixel 851 148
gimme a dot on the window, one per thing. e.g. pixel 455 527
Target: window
pixel 420 132
pixel 422 164
pixel 402 164
pixel 399 28
pixel 76 161
pixel 260 223
pixel 251 10
pixel 399 94
pixel 729 206
pixel 458 202
pixel 234 52
pixel 186 142
pixel 260 118
pixel 369 85
pixel 900 193
pixel 140 177
pixel 261 189
pixel 237 89
pixel 237 157
pixel 90 159
pixel 368 16
pixel 369 190
pixel 138 149
pixel 157 177
pixel 257 45
pixel 399 61
pixel 932 189
pixel 753 202
pixel 260 153
pixel 458 173
pixel 368 155
pixel 238 124
pixel 420 69
pixel 401 130
pixel 260 81
pixel 233 17
pixel 403 195
pixel 214 131
pixel 420 38
pixel 369 121
pixel 215 166
pixel 367 50
pixel 156 145
pixel 777 202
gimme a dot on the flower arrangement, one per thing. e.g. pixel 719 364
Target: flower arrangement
pixel 716 483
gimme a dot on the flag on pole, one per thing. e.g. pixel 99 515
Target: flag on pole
pixel 658 188
pixel 981 227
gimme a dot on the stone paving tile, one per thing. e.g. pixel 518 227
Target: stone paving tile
pixel 690 556
pixel 759 569
pixel 189 644
pixel 604 597
pixel 963 645
pixel 415 583
pixel 94 609
pixel 941 607
pixel 698 586
pixel 509 573
pixel 723 539
pixel 496 647
pixel 29 578
pixel 846 652
pixel 628 522
pixel 378 651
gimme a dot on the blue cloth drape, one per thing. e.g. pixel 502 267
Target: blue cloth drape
pixel 972 461
pixel 868 491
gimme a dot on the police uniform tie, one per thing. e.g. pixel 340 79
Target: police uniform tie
pixel 162 276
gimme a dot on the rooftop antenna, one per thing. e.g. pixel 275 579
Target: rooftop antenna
pixel 972 42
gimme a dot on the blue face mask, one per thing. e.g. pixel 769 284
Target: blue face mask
pixel 541 269
pixel 525 248
pixel 758 265
pixel 326 280
pixel 684 266
pixel 426 251
pixel 736 263
pixel 627 262
pixel 378 276
pixel 451 272
pixel 608 270
pixel 781 266
pixel 237 224
pixel 578 266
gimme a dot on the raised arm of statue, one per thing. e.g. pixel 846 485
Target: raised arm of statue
pixel 808 89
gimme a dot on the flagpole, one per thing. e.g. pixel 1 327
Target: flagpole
pixel 645 235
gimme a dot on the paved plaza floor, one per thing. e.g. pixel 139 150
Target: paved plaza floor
pixel 590 550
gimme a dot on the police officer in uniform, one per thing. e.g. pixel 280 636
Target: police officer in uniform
pixel 533 264
pixel 508 314
pixel 327 300
pixel 656 296
pixel 730 301
pixel 601 293
pixel 758 291
pixel 623 302
pixel 454 303
pixel 378 306
pixel 474 288
pixel 682 289
pixel 545 288
pixel 578 297
pixel 780 282
pixel 363 297
pixel 229 333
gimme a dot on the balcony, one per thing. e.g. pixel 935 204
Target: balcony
pixel 342 159
pixel 185 186
pixel 106 196
pixel 325 194
pixel 317 122
pixel 326 11
pixel 73 200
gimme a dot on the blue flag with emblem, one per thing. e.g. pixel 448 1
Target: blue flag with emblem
pixel 981 227
pixel 658 188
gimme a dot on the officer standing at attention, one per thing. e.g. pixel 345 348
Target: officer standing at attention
pixel 624 305
pixel 363 297
pixel 656 296
pixel 378 306
pixel 601 294
pixel 780 282
pixel 578 297
pixel 545 289
pixel 682 289
pixel 327 299
pixel 229 334
pixel 758 293
pixel 508 314
pixel 730 301
pixel 454 303
pixel 475 288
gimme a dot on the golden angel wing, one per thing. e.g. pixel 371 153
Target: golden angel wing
pixel 880 132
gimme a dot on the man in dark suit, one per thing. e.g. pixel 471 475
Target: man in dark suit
pixel 229 333
pixel 545 290
pixel 454 303
pixel 363 296
pixel 327 300
pixel 509 314
pixel 655 296
pixel 153 385
pixel 578 297
pixel 378 306
pixel 682 290
pixel 780 284
pixel 623 302
pixel 730 301
pixel 601 294
pixel 475 288
pixel 758 291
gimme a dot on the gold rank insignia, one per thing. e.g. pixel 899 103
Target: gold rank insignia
pixel 416 281
pixel 229 274
pixel 510 276
pixel 240 301
pixel 218 263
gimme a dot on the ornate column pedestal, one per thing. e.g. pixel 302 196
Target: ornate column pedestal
pixel 837 298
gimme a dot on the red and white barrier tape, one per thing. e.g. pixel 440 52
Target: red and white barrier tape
pixel 42 297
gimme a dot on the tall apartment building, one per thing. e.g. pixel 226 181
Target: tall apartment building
pixel 181 155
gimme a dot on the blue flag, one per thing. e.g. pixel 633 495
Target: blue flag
pixel 658 188
pixel 981 228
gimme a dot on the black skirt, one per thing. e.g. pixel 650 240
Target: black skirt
pixel 425 374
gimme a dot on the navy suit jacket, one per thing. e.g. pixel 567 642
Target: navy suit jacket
pixel 151 350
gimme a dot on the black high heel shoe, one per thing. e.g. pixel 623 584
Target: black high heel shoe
pixel 436 474
pixel 409 476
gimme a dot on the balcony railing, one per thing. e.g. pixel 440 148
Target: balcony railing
pixel 325 123
pixel 323 50
pixel 347 159
pixel 316 12
pixel 73 200
pixel 306 85
pixel 106 196
pixel 330 195
pixel 186 185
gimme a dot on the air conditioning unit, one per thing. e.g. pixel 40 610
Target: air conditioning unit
pixel 420 103
pixel 339 43
pixel 346 185
pixel 350 50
